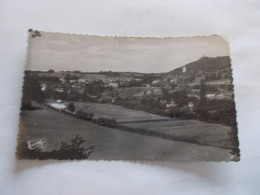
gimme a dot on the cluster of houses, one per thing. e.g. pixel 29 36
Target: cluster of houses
pixel 79 83
pixel 183 80
pixel 109 82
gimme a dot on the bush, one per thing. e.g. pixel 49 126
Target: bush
pixel 101 121
pixel 71 107
pixel 111 123
pixel 106 122
pixel 80 114
pixel 74 150
pixel 84 115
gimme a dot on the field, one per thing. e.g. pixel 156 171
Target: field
pixel 219 82
pixel 117 112
pixel 187 130
pixel 110 144
pixel 137 91
pixel 215 82
pixel 145 123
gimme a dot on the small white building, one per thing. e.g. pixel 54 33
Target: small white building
pixel 171 104
pixel 145 85
pixel 82 80
pixel 113 84
pixel 184 69
pixel 162 102
pixel 73 81
pixel 211 96
pixel 191 106
pixel 43 86
pixel 155 82
pixel 192 95
pixel 59 90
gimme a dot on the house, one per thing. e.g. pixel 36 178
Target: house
pixel 193 95
pixel 59 89
pixel 43 86
pixel 227 96
pixel 155 82
pixel 191 105
pixel 174 80
pixel 171 104
pixel 145 85
pixel 73 80
pixel 149 91
pixel 163 102
pixel 113 84
pixel 76 86
pixel 82 80
pixel 62 80
pixel 195 91
pixel 211 96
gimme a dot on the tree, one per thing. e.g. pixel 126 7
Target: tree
pixel 165 94
pixel 67 78
pixel 71 107
pixel 50 71
pixel 84 115
pixel 31 91
pixel 202 104
pixel 202 92
pixel 74 150
pixel 180 97
pixel 95 88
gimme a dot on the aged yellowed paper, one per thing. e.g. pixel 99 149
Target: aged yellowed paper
pixel 127 98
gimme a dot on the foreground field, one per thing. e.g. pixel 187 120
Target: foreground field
pixel 111 144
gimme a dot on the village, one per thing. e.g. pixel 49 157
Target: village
pixel 178 94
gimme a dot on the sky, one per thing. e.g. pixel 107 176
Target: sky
pixel 88 53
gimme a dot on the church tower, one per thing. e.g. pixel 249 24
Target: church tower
pixel 184 69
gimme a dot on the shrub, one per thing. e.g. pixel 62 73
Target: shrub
pixel 84 115
pixel 106 122
pixel 111 123
pixel 74 150
pixel 71 107
pixel 80 114
pixel 101 121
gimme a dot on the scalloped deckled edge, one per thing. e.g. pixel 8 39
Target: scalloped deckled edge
pixel 224 37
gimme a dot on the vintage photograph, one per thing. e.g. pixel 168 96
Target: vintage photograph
pixel 127 98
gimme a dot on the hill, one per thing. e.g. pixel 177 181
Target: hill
pixel 205 64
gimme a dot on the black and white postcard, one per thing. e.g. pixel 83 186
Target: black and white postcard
pixel 127 98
